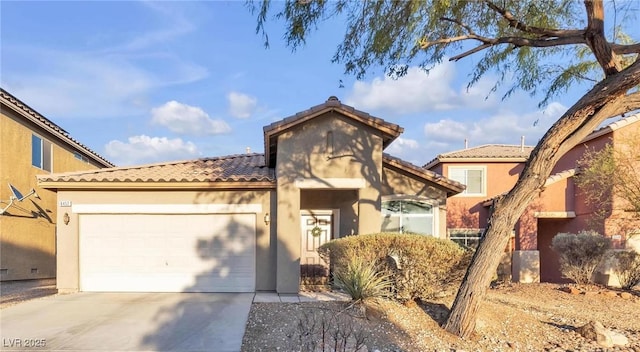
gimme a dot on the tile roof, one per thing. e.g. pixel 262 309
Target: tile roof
pixel 32 115
pixel 487 151
pixel 232 168
pixel 390 131
pixel 491 151
pixel 613 126
pixel 452 186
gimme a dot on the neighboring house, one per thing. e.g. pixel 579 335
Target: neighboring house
pixel 31 145
pixel 243 223
pixel 491 170
pixel 487 171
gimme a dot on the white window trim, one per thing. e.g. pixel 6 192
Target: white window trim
pixel 464 193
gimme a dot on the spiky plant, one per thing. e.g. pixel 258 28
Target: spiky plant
pixel 362 280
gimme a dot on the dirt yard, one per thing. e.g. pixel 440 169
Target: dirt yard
pixel 516 317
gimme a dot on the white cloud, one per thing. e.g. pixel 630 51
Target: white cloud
pixel 184 119
pixel 479 95
pixel 145 149
pixel 241 105
pixel 417 91
pixel 503 127
pixel 400 145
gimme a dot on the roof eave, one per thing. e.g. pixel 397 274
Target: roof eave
pixel 443 182
pixel 478 160
pixel 84 185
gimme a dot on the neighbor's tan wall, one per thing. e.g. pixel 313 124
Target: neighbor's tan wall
pixel 303 153
pixel 396 182
pixel 68 235
pixel 27 233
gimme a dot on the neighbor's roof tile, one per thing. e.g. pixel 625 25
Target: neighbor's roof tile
pixel 487 151
pixel 491 151
pixel 233 168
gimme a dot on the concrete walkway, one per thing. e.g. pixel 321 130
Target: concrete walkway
pixel 272 297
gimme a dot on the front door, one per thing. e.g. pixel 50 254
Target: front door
pixel 317 229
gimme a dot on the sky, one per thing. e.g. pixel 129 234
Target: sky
pixel 143 82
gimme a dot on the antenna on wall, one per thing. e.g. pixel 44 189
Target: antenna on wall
pixel 16 196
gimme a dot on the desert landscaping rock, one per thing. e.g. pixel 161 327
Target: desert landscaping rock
pixel 595 331
pixel 515 317
pixel 626 295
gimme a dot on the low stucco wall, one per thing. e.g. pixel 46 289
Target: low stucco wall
pixel 525 266
pixel 68 235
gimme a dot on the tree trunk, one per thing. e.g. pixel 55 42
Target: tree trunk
pixel 600 103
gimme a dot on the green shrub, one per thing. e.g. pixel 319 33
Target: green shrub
pixel 361 279
pixel 418 266
pixel 580 254
pixel 627 268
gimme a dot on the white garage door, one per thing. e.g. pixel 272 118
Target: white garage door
pixel 167 253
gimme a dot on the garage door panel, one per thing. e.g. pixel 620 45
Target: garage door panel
pixel 167 253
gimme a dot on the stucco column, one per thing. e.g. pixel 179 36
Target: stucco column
pixel 67 253
pixel 370 218
pixel 288 238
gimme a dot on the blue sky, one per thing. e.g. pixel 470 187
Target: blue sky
pixel 142 82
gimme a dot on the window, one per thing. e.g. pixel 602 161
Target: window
pixel 41 153
pixel 80 157
pixel 407 215
pixel 466 237
pixel 473 177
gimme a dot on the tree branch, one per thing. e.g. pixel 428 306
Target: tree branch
pixel 596 40
pixel 630 102
pixel 625 49
pixel 544 32
pixel 518 41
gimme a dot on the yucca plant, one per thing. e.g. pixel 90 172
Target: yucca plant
pixel 362 280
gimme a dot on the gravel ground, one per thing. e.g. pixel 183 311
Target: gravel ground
pixel 13 292
pixel 516 317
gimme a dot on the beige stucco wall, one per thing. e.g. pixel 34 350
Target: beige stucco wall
pixel 396 182
pixel 68 235
pixel 304 152
pixel 27 232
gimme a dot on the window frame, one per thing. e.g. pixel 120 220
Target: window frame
pixel 434 212
pixel 45 153
pixel 465 235
pixel 465 193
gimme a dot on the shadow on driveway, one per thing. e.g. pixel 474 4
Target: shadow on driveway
pixel 130 322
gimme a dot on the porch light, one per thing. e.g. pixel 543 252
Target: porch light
pixel 66 218
pixel 267 219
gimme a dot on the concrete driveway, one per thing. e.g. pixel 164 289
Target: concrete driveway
pixel 127 322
